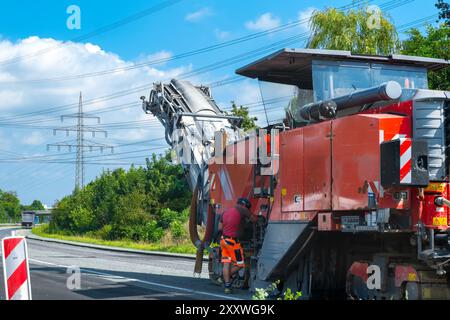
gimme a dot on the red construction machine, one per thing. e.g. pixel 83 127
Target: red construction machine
pixel 351 190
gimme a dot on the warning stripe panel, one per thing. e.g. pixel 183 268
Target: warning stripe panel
pixel 405 146
pixel 405 160
pixel 405 157
pixel 407 178
pixel 10 245
pixel 22 293
pixel 15 258
pixel 405 170
pixel 17 279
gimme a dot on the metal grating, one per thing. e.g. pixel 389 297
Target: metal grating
pixel 429 126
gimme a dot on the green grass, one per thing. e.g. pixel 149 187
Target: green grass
pixel 165 246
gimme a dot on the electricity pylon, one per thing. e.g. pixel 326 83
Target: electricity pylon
pixel 81 143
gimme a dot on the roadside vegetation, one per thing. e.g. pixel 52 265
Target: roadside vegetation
pixel 433 42
pixel 272 292
pixel 11 209
pixel 143 208
pixel 167 243
pixel 248 123
pixel 146 207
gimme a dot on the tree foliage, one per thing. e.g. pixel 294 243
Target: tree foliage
pixel 10 209
pixel 435 43
pixel 139 204
pixel 353 30
pixel 349 30
pixel 35 205
pixel 249 123
pixel 444 11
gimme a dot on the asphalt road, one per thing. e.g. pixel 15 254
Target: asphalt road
pixel 113 275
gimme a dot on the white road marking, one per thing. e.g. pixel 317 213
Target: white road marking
pixel 111 276
pixel 178 262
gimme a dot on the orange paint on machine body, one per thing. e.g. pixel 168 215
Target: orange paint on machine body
pixel 352 182
pixel 333 166
pixel 231 177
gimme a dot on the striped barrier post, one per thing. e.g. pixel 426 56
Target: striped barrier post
pixel 15 268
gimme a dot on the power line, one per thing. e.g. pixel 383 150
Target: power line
pixel 19 157
pixel 81 143
pixel 417 21
pixel 194 52
pixel 115 25
pixel 220 64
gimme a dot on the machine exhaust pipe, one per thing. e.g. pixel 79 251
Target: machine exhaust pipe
pixel 325 110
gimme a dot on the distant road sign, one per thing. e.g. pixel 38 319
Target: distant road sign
pixel 15 268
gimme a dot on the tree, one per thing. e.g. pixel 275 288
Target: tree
pixel 444 11
pixel 140 204
pixel 10 208
pixel 434 44
pixel 35 205
pixel 361 30
pixel 249 123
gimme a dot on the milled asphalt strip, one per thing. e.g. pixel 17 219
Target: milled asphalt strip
pixel 117 249
pixel 87 271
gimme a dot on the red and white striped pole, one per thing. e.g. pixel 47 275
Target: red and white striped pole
pixel 15 268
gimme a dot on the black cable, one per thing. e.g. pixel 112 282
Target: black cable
pixel 189 53
pixel 115 25
pixel 239 58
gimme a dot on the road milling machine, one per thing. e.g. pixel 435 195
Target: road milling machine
pixel 349 180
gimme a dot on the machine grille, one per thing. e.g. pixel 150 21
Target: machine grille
pixel 447 137
pixel 430 124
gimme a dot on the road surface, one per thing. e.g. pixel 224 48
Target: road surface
pixel 114 275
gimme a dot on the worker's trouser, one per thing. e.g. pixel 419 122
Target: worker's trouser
pixel 232 252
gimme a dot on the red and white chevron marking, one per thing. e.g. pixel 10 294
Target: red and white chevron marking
pixel 405 161
pixel 15 268
pixel 405 155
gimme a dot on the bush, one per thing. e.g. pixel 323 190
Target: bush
pixel 105 232
pixel 272 290
pixel 178 231
pixel 154 233
pixel 82 219
pixel 139 204
pixel 166 217
pixel 184 217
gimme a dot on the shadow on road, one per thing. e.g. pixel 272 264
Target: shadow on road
pixel 50 283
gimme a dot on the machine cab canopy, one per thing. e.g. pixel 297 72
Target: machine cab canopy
pixel 291 78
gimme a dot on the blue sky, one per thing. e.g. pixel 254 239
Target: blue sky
pixel 30 26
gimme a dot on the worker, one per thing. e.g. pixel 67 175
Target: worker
pixel 232 223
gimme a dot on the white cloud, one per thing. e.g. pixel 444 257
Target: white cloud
pixel 222 35
pixel 17 96
pixel 157 56
pixel 305 15
pixel 243 92
pixel 264 22
pixel 34 139
pixel 10 98
pixel 198 15
pixel 5 143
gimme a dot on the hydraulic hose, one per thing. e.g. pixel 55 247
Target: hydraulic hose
pixel 200 244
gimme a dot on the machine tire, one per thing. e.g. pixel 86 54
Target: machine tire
pixel 412 291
